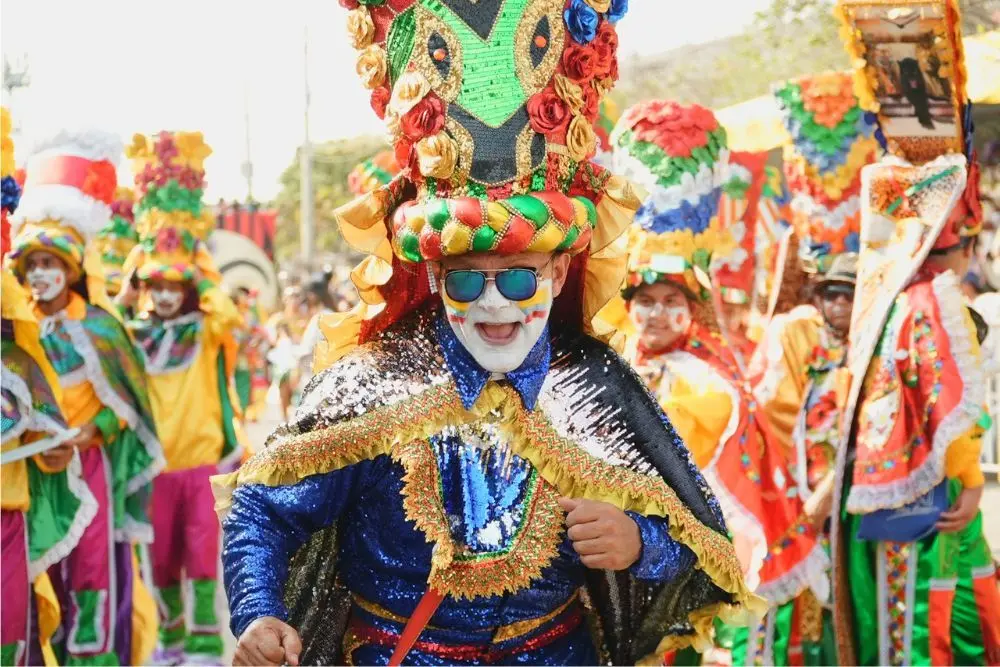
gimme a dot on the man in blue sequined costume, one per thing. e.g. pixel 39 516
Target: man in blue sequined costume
pixel 473 476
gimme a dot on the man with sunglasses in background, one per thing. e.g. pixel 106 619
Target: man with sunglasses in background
pixel 472 473
pixel 800 381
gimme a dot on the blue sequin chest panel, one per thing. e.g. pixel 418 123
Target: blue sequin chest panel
pixel 485 490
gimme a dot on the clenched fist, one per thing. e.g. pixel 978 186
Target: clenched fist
pixel 605 537
pixel 268 641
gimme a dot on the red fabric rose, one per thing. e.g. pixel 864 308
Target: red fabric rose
pixel 580 63
pixel 546 112
pixel 424 119
pixel 606 46
pixel 404 152
pixel 703 118
pixel 591 102
pixel 169 240
pixel 380 100
pixel 349 4
pixel 819 416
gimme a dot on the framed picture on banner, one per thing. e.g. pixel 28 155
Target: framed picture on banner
pixel 908 58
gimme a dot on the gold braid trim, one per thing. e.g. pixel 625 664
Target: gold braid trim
pixel 466 576
pixel 577 474
pixel 399 430
pixel 359 439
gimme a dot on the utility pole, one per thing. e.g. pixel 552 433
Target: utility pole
pixel 307 228
pixel 248 164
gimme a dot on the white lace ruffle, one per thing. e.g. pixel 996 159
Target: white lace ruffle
pixel 122 409
pixel 813 572
pixel 85 513
pixel 32 420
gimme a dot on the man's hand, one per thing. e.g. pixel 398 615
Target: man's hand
pixel 268 641
pixel 86 438
pixel 605 537
pixel 962 512
pixel 57 458
pixel 128 296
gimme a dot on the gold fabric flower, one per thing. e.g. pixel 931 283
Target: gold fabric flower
pixel 191 147
pixel 437 156
pixel 371 66
pixel 139 148
pixel 580 138
pixel 411 87
pixel 360 28
pixel 569 92
pixel 600 6
pixel 392 125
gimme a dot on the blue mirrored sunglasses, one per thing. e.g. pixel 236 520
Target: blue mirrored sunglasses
pixel 467 285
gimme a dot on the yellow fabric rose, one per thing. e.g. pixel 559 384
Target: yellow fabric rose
pixel 371 66
pixel 569 92
pixel 360 27
pixel 411 87
pixel 600 6
pixel 580 138
pixel 6 157
pixel 139 148
pixel 437 155
pixel 191 147
pixel 392 125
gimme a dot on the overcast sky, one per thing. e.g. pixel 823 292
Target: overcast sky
pixel 140 65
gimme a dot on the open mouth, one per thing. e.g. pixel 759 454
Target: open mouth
pixel 498 334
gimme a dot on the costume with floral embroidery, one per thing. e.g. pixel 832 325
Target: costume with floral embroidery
pixel 698 382
pixel 915 411
pixel 411 476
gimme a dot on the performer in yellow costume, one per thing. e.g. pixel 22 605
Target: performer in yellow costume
pixel 39 462
pixel 186 339
pixel 69 188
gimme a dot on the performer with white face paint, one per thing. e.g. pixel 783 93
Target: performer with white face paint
pixel 675 345
pixel 463 459
pixel 69 187
pixel 185 332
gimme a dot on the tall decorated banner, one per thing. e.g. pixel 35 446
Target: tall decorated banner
pixel 832 138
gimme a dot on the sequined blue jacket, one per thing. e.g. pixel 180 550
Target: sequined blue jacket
pixel 497 528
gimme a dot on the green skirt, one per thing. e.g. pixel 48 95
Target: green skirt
pixel 930 602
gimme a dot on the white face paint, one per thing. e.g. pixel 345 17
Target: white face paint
pixel 497 332
pixel 166 303
pixel 674 318
pixel 46 284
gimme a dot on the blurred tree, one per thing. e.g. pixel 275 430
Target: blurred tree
pixel 333 161
pixel 789 38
